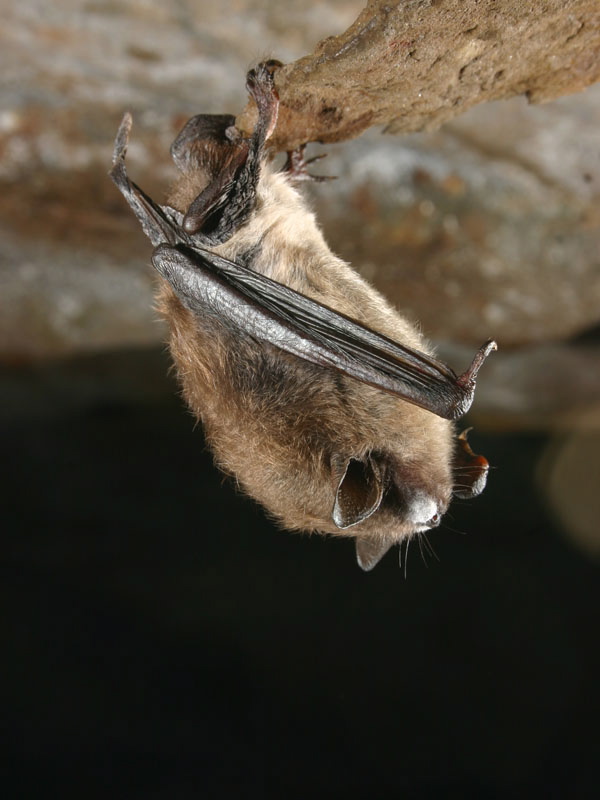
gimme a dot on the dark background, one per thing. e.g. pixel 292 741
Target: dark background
pixel 163 640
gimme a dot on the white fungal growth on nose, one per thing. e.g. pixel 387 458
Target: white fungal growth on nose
pixel 422 510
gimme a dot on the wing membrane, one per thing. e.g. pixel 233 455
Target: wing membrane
pixel 272 312
pixel 275 313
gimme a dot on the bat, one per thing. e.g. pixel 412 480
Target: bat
pixel 325 404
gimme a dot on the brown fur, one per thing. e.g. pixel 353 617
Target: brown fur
pixel 276 422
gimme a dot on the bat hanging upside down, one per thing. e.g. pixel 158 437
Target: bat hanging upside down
pixel 325 404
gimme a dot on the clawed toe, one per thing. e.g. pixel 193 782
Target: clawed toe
pixel 296 166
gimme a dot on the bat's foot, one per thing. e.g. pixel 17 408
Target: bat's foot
pixel 230 197
pixel 260 84
pixel 296 166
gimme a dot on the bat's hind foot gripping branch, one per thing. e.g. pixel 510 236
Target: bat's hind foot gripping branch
pixel 296 166
pixel 226 203
pixel 260 84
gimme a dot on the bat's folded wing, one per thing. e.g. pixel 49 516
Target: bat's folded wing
pixel 274 313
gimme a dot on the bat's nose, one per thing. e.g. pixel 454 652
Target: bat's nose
pixel 422 508
pixel 424 511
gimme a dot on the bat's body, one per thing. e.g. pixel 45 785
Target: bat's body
pixel 289 392
pixel 274 420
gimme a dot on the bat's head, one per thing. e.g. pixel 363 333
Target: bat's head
pixel 387 501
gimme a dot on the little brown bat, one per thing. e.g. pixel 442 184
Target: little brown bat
pixel 325 404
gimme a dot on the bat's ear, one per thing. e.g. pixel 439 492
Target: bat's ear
pixel 469 470
pixel 359 485
pixel 202 137
pixel 369 552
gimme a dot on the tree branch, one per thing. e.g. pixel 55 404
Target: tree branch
pixel 414 64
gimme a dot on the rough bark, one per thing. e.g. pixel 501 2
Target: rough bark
pixel 414 64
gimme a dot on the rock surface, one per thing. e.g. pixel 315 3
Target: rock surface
pixel 488 227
